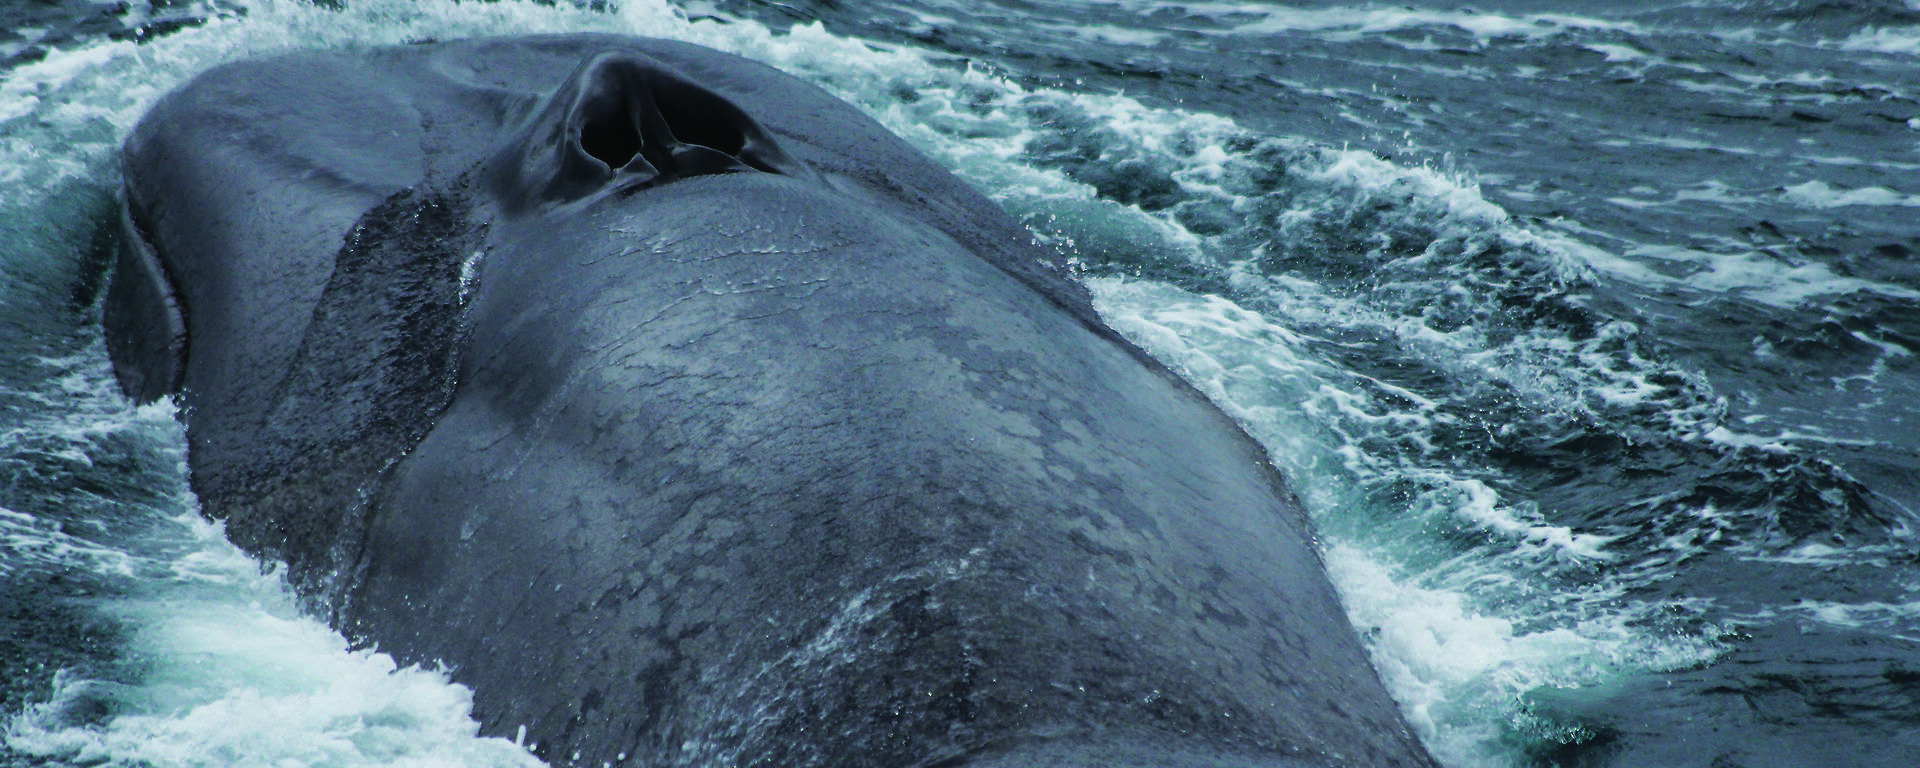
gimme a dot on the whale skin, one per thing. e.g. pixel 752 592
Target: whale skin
pixel 691 418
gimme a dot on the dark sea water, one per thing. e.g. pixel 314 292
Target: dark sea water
pixel 1587 332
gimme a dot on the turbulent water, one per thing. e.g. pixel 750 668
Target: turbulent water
pixel 1587 331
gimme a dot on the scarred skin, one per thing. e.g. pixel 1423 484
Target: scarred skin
pixel 693 419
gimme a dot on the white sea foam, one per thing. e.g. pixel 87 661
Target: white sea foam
pixel 1616 52
pixel 31 541
pixel 1337 434
pixel 1703 191
pixel 1899 41
pixel 1747 274
pixel 1454 667
pixel 1763 277
pixel 219 667
pixel 233 674
pixel 1314 416
pixel 1348 23
pixel 1779 442
pixel 1451 665
pixel 1826 555
pixel 1898 617
pixel 1818 194
pixel 24 86
pixel 1107 34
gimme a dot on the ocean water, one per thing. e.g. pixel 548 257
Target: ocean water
pixel 1586 331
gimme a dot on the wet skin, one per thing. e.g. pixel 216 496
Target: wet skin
pixel 692 418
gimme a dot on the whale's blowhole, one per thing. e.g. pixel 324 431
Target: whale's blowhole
pixel 696 116
pixel 609 135
pixel 643 112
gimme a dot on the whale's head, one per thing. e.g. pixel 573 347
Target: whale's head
pixel 693 418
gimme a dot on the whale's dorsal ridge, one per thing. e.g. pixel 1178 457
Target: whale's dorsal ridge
pixel 622 122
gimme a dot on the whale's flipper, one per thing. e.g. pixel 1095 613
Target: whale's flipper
pixel 146 329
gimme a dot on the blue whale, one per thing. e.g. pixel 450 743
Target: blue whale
pixel 691 418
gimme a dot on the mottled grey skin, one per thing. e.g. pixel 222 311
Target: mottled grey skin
pixel 775 446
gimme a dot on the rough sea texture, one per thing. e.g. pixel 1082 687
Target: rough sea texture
pixel 1586 330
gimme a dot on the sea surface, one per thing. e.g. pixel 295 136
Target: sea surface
pixel 1586 330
